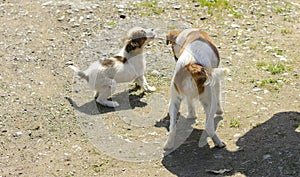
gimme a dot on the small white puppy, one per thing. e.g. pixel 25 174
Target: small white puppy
pixel 196 76
pixel 128 65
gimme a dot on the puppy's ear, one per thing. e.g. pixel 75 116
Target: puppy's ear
pixel 171 36
pixel 133 44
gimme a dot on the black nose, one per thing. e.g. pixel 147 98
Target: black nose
pixel 152 29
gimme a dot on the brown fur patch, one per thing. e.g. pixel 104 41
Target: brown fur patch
pixel 171 39
pixel 121 59
pixel 171 36
pixel 192 70
pixel 199 74
pixel 136 40
pixel 107 62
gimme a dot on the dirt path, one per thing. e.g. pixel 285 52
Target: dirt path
pixel 42 134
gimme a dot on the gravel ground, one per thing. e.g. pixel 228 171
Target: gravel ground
pixel 51 126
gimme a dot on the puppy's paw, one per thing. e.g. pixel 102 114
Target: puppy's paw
pixel 150 89
pixel 220 145
pixel 112 104
pixel 219 112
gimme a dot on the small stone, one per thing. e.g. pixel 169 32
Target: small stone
pixel 235 25
pixel 120 6
pixel 177 7
pixel 155 72
pixel 69 63
pixel 18 134
pixel 237 135
pixel 203 18
pixel 76 25
pixel 61 18
pixel 196 4
pixel 267 156
pixel 257 90
pixel 123 16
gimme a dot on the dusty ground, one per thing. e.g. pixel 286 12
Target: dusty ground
pixel 50 125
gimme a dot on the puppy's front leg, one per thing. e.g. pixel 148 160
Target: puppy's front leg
pixel 142 82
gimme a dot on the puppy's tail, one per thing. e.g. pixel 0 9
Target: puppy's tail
pixel 79 72
pixel 216 75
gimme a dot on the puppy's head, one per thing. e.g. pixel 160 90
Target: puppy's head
pixel 138 37
pixel 171 39
pixel 172 36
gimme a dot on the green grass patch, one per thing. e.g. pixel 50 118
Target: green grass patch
pixel 152 5
pixel 286 31
pixel 111 23
pixel 272 84
pixel 234 123
pixel 219 4
pixel 214 4
pixel 273 68
pixel 149 4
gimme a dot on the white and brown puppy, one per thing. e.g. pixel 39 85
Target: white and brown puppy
pixel 126 66
pixel 196 76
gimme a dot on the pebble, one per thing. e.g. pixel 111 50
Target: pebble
pixel 257 90
pixel 69 63
pixel 17 134
pixel 155 72
pixel 61 18
pixel 177 7
pixel 267 156
pixel 235 25
pixel 76 25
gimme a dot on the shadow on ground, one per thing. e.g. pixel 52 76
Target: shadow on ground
pixel 269 149
pixel 126 99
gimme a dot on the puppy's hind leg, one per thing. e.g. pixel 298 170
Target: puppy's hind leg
pixel 191 108
pixel 210 106
pixel 173 111
pixel 104 93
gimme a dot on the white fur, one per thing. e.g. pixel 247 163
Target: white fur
pixel 201 53
pixel 104 79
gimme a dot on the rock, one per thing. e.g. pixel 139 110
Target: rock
pixel 69 63
pixel 17 134
pixel 235 25
pixel 196 4
pixel 122 16
pixel 61 18
pixel 257 90
pixel 203 18
pixel 76 25
pixel 155 72
pixel 267 156
pixel 177 7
